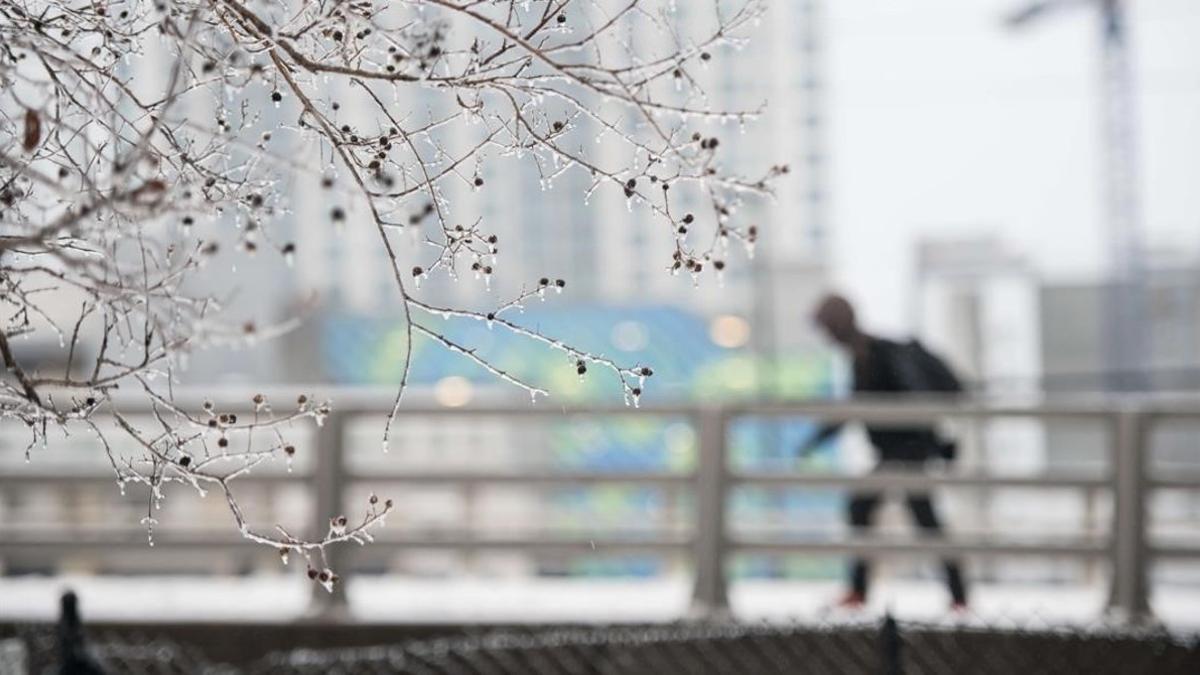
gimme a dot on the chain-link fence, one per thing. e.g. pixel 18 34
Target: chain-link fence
pixel 735 648
pixel 36 649
pixel 881 647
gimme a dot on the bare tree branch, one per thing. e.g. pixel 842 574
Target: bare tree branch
pixel 138 145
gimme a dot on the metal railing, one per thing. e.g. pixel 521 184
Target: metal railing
pixel 710 543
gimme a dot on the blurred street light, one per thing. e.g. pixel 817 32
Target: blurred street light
pixel 729 331
pixel 453 391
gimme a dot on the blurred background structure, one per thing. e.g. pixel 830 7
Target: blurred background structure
pixel 1016 186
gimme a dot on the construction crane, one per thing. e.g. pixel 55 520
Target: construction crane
pixel 1127 321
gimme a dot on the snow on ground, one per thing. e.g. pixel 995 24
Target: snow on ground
pixel 478 600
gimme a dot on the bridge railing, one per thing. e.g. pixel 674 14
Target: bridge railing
pixel 710 543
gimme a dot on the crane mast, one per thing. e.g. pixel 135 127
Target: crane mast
pixel 1126 322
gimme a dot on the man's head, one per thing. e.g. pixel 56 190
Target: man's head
pixel 835 316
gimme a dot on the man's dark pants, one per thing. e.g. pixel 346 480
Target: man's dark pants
pixel 862 509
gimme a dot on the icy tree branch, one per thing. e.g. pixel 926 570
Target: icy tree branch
pixel 138 145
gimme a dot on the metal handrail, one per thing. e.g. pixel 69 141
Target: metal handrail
pixel 710 541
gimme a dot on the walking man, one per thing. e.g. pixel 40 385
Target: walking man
pixel 884 366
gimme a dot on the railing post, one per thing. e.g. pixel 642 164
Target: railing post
pixel 329 483
pixel 1130 588
pixel 710 594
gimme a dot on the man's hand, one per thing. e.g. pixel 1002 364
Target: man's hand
pixel 819 438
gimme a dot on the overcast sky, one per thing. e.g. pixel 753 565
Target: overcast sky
pixel 943 121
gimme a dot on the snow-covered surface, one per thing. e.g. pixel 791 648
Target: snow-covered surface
pixel 410 600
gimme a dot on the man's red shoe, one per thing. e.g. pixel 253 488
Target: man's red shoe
pixel 852 600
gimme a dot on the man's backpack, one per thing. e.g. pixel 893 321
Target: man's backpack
pixel 920 370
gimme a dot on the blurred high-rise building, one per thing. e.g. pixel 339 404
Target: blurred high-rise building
pixel 611 253
pixel 608 251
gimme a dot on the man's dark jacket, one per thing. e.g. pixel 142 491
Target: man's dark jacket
pixel 886 367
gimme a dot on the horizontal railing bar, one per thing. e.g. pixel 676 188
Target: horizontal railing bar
pixel 905 480
pixel 89 541
pixel 221 543
pixel 900 409
pixel 872 480
pixel 922 547
pixel 867 482
pixel 877 408
pixel 1181 479
pixel 475 477
pixel 865 547
pixel 1175 552
pixel 11 479
pixel 594 544
pixel 121 541
pixel 465 477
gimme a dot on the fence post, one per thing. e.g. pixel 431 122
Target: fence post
pixel 1130 592
pixel 889 640
pixel 710 595
pixel 329 476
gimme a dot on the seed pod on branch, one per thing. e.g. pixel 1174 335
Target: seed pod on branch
pixel 33 130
